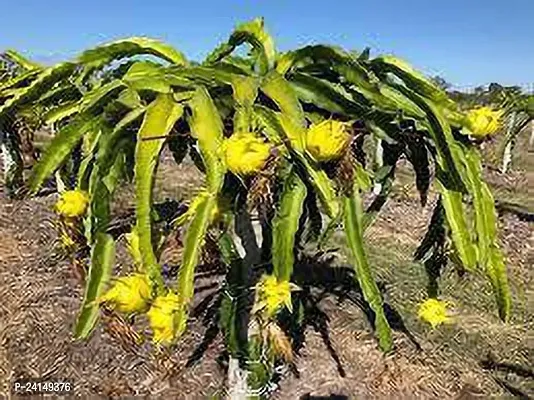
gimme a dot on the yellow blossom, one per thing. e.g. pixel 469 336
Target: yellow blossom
pixel 483 121
pixel 434 312
pixel 72 203
pixel 245 154
pixel 327 140
pixel 272 294
pixel 162 317
pixel 129 294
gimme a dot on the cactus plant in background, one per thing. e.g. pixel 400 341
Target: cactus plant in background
pixel 285 128
pixel 15 73
pixel 520 114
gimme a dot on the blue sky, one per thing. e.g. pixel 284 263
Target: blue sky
pixel 469 42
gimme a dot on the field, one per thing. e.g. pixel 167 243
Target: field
pixel 477 356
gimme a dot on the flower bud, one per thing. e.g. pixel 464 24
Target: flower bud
pixel 245 154
pixel 162 318
pixel 483 121
pixel 129 294
pixel 72 203
pixel 328 140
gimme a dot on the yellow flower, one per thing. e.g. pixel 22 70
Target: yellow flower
pixel 483 121
pixel 72 203
pixel 328 140
pixel 434 312
pixel 272 294
pixel 162 317
pixel 245 154
pixel 129 294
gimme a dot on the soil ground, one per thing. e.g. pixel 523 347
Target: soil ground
pixel 476 356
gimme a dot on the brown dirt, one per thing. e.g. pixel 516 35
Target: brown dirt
pixel 40 297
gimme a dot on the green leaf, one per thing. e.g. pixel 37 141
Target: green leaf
pixel 485 215
pixel 322 184
pixel 285 226
pixel 17 80
pixel 194 239
pixel 233 311
pixel 240 65
pixel 146 75
pixel 393 100
pixel 45 81
pixel 203 75
pixel 61 146
pixel 101 95
pixel 89 143
pixel 280 91
pixel 363 178
pixel 332 59
pixel 132 47
pixel 277 127
pixel 435 230
pixel 417 155
pixel 102 184
pixel 330 229
pixel 64 92
pixel 108 144
pixel 24 62
pixel 130 99
pixel 118 170
pixel 456 218
pixel 59 113
pixel 207 127
pixel 450 158
pixel 414 79
pixel 245 91
pixel 102 261
pixel 312 54
pixel 160 117
pixel 254 33
pixel 489 255
pixel 353 217
pixel 273 128
pixel 496 271
pixel 325 95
